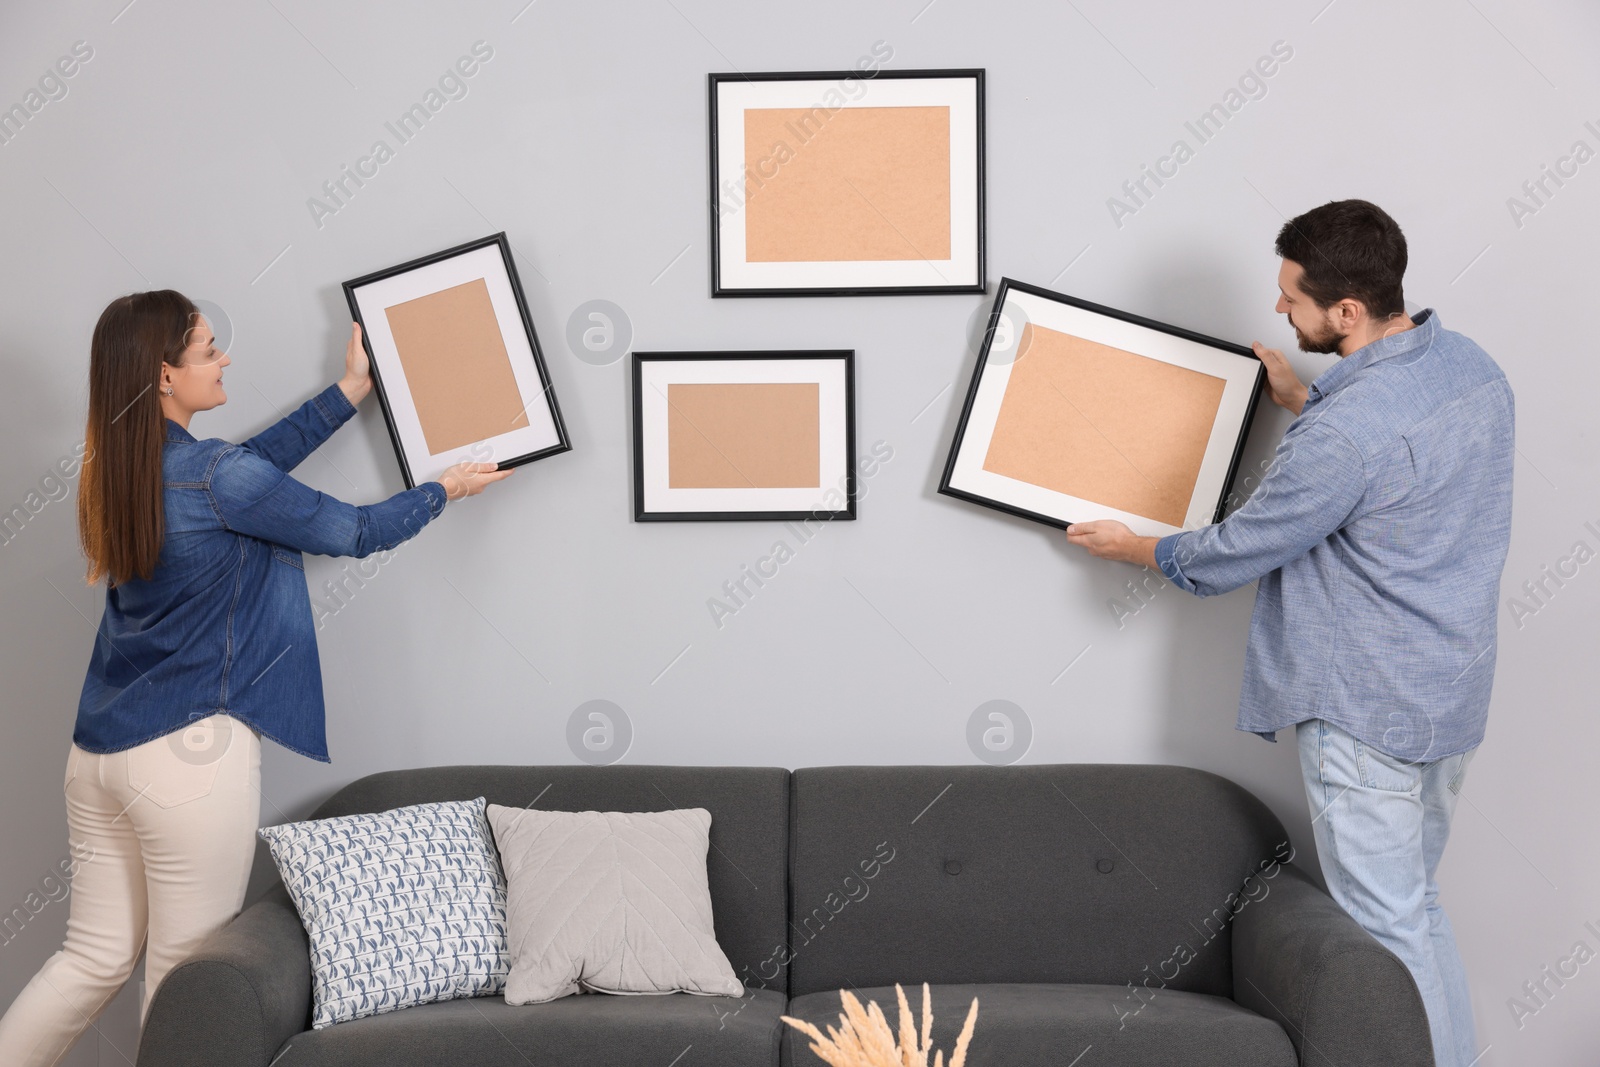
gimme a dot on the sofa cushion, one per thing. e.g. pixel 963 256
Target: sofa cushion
pixel 609 902
pixel 588 1030
pixel 746 867
pixel 402 907
pixel 1056 1024
pixel 1065 873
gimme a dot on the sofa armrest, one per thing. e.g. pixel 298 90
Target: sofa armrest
pixel 239 998
pixel 1302 961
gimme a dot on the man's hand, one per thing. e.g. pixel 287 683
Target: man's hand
pixel 1283 385
pixel 1110 539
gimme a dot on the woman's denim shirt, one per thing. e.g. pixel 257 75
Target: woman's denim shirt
pixel 224 623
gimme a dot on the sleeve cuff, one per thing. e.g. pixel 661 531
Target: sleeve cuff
pixel 437 497
pixel 335 406
pixel 1167 560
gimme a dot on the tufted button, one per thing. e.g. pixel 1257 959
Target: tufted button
pixel 952 866
pixel 1104 866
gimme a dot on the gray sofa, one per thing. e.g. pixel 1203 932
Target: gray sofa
pixel 1124 914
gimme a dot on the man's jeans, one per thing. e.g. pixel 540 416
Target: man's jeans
pixel 1381 824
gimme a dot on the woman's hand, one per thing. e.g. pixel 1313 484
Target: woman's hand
pixel 1283 385
pixel 357 380
pixel 469 479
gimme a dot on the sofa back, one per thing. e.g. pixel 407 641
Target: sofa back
pixel 746 864
pixel 1075 873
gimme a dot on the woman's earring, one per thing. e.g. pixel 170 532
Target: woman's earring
pixel 167 391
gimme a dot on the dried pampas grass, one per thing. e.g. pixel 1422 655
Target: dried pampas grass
pixel 864 1038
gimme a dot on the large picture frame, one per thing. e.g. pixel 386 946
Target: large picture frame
pixel 1077 411
pixel 742 435
pixel 847 183
pixel 457 364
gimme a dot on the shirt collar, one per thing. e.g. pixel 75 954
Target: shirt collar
pixel 177 433
pixel 1336 377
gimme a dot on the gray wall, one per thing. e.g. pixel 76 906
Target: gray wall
pixel 184 153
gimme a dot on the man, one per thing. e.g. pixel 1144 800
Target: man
pixel 1378 536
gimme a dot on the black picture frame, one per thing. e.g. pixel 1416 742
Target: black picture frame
pixel 385 401
pixel 642 513
pixel 1009 285
pixel 718 286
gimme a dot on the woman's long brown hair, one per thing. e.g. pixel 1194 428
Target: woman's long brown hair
pixel 119 499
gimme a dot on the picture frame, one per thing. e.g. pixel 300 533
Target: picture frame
pixel 1077 411
pixel 456 361
pixel 847 183
pixel 744 435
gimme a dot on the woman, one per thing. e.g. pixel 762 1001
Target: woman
pixel 206 645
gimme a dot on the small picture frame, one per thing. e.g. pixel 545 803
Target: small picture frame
pixel 744 435
pixel 847 183
pixel 1077 412
pixel 456 362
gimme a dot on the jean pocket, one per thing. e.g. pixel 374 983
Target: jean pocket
pixel 289 556
pixel 1460 776
pixel 1379 770
pixel 181 766
pixel 73 752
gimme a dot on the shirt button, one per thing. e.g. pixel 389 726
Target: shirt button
pixel 1104 866
pixel 952 866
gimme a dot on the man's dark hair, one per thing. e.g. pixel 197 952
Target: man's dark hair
pixel 1349 249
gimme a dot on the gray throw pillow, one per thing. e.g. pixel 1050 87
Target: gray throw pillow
pixel 609 902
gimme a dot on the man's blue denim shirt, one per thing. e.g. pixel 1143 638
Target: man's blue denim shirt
pixel 1379 534
pixel 224 622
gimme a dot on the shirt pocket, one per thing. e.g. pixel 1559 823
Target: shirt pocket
pixel 181 766
pixel 289 556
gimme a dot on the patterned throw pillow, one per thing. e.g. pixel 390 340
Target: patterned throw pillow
pixel 609 902
pixel 402 907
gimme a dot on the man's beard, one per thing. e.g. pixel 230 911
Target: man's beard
pixel 1326 344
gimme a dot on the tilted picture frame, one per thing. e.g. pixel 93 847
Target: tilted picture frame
pixel 456 362
pixel 1077 411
